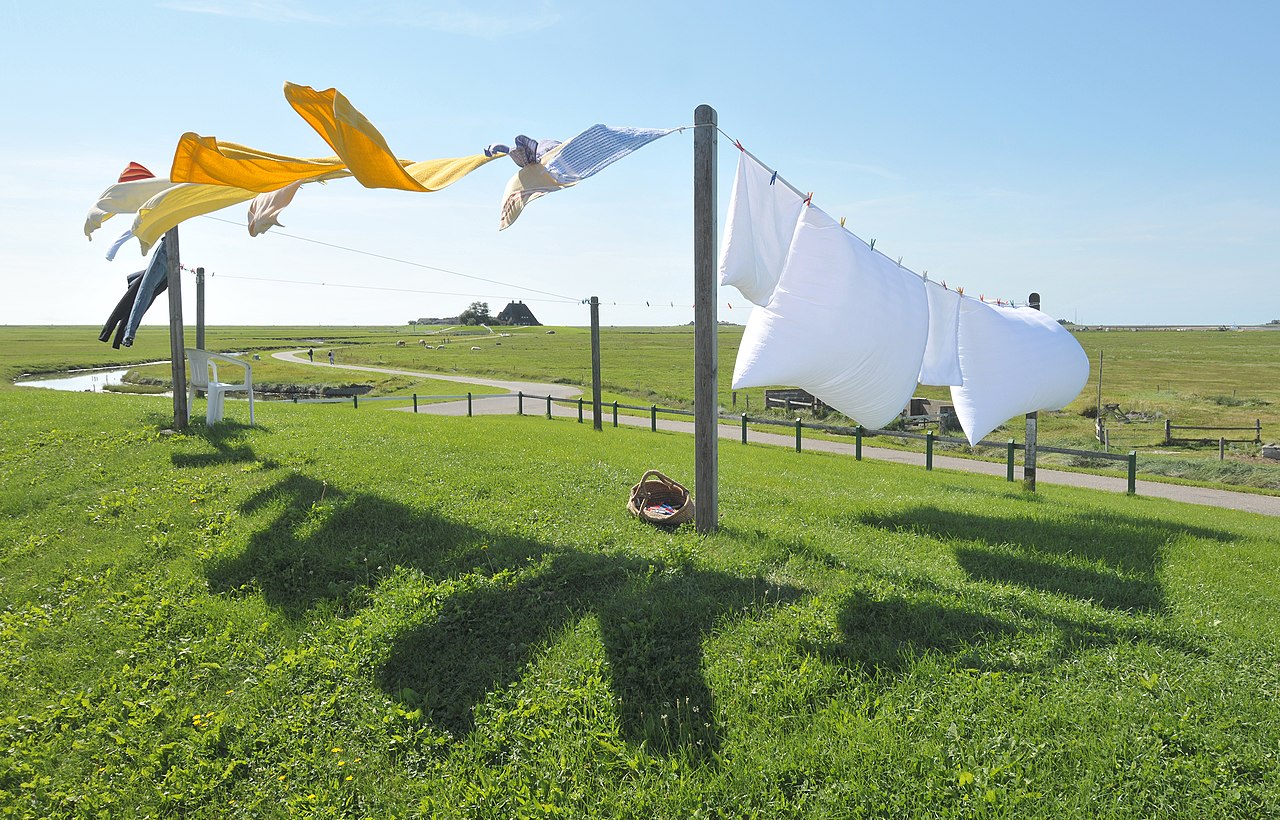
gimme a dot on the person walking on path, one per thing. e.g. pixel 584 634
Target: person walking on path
pixel 330 357
pixel 311 354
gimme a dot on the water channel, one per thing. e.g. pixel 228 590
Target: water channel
pixel 83 381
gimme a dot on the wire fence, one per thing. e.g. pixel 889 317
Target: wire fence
pixel 857 432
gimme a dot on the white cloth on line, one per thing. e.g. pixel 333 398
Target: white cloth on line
pixel 264 208
pixel 941 365
pixel 1014 361
pixel 122 198
pixel 758 230
pixel 844 323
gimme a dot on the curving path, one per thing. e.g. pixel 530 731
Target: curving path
pixel 534 391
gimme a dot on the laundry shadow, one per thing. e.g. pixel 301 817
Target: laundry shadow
pixel 324 543
pixel 228 445
pixel 881 637
pixel 653 623
pixel 1111 559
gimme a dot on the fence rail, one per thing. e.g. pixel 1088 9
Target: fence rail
pixel 857 432
pixel 1169 427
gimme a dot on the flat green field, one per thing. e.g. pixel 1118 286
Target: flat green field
pixel 1192 378
pixel 380 614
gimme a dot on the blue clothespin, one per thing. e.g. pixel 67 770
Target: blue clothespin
pixel 773 178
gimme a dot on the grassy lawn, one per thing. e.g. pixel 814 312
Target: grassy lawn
pixel 380 615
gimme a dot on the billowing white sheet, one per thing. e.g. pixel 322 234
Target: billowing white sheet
pixel 1014 361
pixel 757 232
pixel 941 364
pixel 844 323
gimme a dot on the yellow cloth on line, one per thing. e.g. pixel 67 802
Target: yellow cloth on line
pixel 358 144
pixel 180 203
pixel 208 161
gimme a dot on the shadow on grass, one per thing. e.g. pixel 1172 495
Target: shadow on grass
pixel 1111 559
pixel 227 441
pixel 325 545
pixel 883 636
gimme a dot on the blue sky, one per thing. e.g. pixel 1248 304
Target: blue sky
pixel 1119 158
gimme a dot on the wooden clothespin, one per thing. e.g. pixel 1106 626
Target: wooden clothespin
pixel 809 199
pixel 842 222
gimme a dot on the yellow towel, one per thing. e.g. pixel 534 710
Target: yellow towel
pixel 354 139
pixel 205 160
pixel 180 203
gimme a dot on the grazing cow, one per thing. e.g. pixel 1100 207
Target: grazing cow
pixel 400 343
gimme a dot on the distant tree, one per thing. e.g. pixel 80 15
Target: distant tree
pixel 476 314
pixel 1274 322
pixel 413 323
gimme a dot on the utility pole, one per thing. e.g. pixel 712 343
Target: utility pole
pixel 177 345
pixel 1033 420
pixel 596 421
pixel 705 364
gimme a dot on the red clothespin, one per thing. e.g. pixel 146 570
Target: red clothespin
pixel 730 304
pixel 809 199
pixel 738 145
pixel 982 298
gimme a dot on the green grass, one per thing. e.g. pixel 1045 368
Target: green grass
pixel 1204 378
pixel 380 614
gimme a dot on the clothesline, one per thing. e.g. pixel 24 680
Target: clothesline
pixel 808 198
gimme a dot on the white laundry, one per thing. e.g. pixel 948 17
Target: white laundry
pixel 941 364
pixel 758 230
pixel 264 208
pixel 123 198
pixel 844 323
pixel 1014 361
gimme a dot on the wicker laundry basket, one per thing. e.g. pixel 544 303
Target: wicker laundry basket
pixel 660 500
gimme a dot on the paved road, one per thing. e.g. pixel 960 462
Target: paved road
pixel 535 404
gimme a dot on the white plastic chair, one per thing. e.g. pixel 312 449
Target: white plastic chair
pixel 204 376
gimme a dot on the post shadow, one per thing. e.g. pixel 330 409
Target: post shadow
pixel 227 441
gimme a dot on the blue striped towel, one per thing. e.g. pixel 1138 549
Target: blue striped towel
pixel 597 148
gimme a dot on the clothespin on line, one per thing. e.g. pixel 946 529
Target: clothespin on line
pixel 773 178
pixel 842 222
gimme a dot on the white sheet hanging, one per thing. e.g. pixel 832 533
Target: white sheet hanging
pixel 758 231
pixel 844 323
pixel 1014 361
pixel 941 365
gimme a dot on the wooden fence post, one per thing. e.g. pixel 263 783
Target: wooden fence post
pixel 1033 421
pixel 597 422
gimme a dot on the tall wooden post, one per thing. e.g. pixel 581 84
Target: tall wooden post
pixel 705 364
pixel 1033 420
pixel 177 344
pixel 597 420
pixel 200 308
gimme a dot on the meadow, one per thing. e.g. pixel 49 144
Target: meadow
pixel 385 614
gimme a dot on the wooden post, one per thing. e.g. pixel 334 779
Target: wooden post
pixel 200 308
pixel 597 421
pixel 1033 420
pixel 177 342
pixel 705 364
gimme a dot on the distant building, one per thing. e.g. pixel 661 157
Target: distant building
pixel 517 313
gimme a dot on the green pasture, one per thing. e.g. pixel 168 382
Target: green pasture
pixel 1203 378
pixel 393 615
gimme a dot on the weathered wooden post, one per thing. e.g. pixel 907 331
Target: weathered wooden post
pixel 705 364
pixel 1029 457
pixel 597 422
pixel 177 343
pixel 200 308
